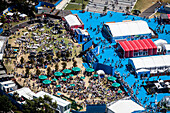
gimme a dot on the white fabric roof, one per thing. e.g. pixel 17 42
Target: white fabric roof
pixel 150 62
pixel 72 20
pixel 167 46
pixel 129 28
pixel 25 92
pixel 142 70
pixel 59 101
pixel 9 14
pixel 160 42
pixel 22 15
pixel 125 106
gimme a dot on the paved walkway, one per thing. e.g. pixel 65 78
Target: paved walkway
pixel 151 10
pixel 62 4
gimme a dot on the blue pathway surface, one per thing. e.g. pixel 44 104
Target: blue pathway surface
pixel 110 53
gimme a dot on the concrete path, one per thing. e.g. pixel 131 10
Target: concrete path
pixel 62 4
pixel 151 10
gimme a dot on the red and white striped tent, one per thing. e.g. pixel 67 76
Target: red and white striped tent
pixel 137 48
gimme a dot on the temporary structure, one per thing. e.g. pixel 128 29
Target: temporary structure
pixel 125 106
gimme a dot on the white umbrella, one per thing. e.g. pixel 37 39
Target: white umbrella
pixel 23 15
pixel 10 14
pixel 100 72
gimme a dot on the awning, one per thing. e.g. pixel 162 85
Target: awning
pixel 143 71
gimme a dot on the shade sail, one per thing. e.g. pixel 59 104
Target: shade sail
pixel 72 84
pixel 111 78
pixel 58 74
pixel 71 75
pixel 95 75
pixel 64 79
pixel 76 69
pixel 66 71
pixel 82 77
pixel 46 82
pixel 89 69
pixel 54 79
pixel 115 84
pixel 42 77
pixel 58 86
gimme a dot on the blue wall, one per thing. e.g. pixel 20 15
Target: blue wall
pixel 100 108
pixel 44 3
pixel 57 2
pixel 1 30
pixel 87 45
pixel 107 69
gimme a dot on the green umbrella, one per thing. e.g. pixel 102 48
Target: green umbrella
pixel 71 75
pixel 120 91
pixel 66 71
pixel 58 86
pixel 89 69
pixel 42 77
pixel 76 69
pixel 115 84
pixel 54 79
pixel 82 77
pixel 46 82
pixel 72 85
pixel 64 79
pixel 95 75
pixel 111 78
pixel 59 74
pixel 67 77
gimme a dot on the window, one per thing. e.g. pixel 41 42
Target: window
pixel 65 108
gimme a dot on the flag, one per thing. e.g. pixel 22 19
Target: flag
pixel 96 50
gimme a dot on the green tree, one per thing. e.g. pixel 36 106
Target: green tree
pixel 74 63
pixel 5 103
pixel 42 60
pixel 22 60
pixel 64 65
pixel 2 19
pixel 56 67
pixel 67 53
pixel 48 71
pixel 105 9
pixel 54 105
pixel 83 6
pixel 48 99
pixel 27 71
pixel 38 72
pixel 49 57
pixel 32 61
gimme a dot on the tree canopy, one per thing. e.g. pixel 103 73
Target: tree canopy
pixel 5 103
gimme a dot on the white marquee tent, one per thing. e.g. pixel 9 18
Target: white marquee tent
pixel 72 20
pixel 128 28
pixel 152 63
pixel 125 106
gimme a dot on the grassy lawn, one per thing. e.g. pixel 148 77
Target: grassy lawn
pixel 142 5
pixel 73 7
pixel 80 1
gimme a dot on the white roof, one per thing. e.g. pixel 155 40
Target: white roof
pixel 22 15
pixel 72 20
pixel 160 42
pixel 1 23
pixel 25 92
pixel 142 70
pixel 151 62
pixel 125 106
pixel 8 84
pixel 129 28
pixel 1 44
pixel 167 46
pixel 9 14
pixel 59 101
